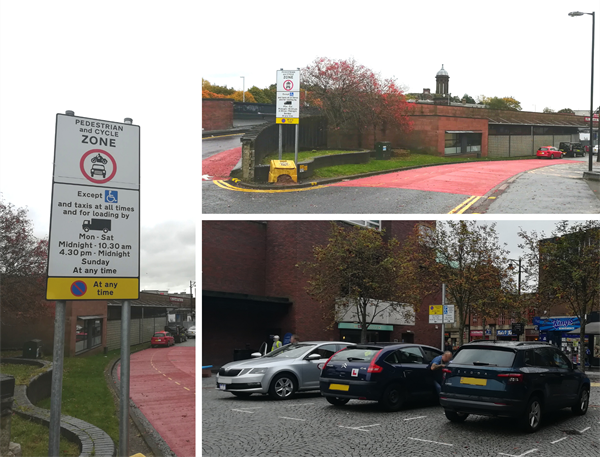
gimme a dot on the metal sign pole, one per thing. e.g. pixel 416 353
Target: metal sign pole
pixel 280 141
pixel 58 355
pixel 296 145
pixel 443 309
pixel 124 386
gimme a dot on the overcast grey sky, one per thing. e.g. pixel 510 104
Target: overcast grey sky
pixel 108 60
pixel 530 50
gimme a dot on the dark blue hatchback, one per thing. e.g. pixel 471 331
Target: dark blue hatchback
pixel 389 374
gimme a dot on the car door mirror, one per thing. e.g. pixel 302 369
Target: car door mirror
pixel 314 357
pixel 256 354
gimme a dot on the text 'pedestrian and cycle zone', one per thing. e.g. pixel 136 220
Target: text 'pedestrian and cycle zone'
pixel 288 97
pixel 94 224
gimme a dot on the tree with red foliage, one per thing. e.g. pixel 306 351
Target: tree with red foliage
pixel 23 264
pixel 354 97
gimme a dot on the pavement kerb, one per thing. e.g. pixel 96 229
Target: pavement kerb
pixel 91 439
pixel 151 437
pixel 324 181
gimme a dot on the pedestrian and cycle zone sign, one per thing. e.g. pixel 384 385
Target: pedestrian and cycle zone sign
pixel 93 251
pixel 435 314
pixel 288 97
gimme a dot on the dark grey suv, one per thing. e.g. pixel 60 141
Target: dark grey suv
pixel 523 380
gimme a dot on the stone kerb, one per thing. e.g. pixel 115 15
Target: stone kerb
pixel 91 440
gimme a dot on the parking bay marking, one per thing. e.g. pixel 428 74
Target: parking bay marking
pixel 553 442
pixel 291 418
pixel 413 418
pixel 359 428
pixel 250 407
pixel 429 441
pixel 525 453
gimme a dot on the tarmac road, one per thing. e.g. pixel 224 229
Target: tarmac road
pixel 540 186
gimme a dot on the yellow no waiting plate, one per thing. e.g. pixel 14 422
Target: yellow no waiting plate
pixel 474 381
pixel 338 387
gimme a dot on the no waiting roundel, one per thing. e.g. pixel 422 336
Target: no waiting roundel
pixel 98 166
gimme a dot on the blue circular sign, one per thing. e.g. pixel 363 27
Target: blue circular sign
pixel 78 288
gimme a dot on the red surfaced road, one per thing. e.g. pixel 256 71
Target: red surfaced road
pixel 220 165
pixel 163 386
pixel 476 178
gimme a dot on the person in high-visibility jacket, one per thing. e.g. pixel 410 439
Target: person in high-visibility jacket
pixel 276 343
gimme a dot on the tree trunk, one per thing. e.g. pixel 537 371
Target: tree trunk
pixel 582 345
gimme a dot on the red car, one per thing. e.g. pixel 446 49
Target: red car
pixel 549 151
pixel 162 339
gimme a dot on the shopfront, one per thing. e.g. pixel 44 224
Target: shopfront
pixel 376 333
pixel 557 331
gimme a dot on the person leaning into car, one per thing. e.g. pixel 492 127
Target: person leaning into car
pixel 436 366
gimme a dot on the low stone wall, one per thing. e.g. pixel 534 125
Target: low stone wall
pixel 91 440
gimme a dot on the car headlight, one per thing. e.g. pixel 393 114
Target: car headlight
pixel 258 371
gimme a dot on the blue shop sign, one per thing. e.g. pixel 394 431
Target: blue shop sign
pixel 557 324
pixel 504 333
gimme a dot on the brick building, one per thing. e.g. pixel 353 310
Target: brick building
pixel 217 113
pixel 252 289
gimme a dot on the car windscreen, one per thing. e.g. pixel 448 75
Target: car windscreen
pixel 484 357
pixel 355 355
pixel 159 335
pixel 291 351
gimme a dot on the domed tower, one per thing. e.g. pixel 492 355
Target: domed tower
pixel 442 81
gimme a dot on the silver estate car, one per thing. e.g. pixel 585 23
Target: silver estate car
pixel 280 373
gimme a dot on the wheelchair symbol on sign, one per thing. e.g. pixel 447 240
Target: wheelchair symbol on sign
pixel 111 196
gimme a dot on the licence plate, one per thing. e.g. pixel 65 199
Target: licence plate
pixel 343 387
pixel 474 381
pixel 222 386
pixel 158 340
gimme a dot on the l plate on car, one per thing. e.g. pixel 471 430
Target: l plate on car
pixel 338 387
pixel 474 381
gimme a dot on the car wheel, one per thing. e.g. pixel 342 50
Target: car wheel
pixel 337 401
pixel 583 402
pixel 393 398
pixel 454 416
pixel 551 156
pixel 242 394
pixel 283 387
pixel 532 418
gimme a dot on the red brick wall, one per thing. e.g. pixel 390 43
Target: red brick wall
pixel 233 256
pixel 217 114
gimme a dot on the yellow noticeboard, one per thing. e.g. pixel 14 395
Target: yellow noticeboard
pixel 435 309
pixel 287 120
pixel 93 288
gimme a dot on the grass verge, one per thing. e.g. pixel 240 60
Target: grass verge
pixel 85 394
pixel 34 438
pixel 413 160
pixel 302 155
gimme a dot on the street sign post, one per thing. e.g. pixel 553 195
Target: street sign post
pixel 94 243
pixel 437 317
pixel 288 104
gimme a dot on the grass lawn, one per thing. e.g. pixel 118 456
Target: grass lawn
pixel 85 394
pixel 34 439
pixel 22 373
pixel 302 155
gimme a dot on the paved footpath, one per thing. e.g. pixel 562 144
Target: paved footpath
pixel 163 386
pixel 219 166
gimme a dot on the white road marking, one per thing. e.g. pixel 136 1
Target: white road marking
pixel 528 452
pixel 552 442
pixel 302 404
pixel 250 407
pixel 360 428
pixel 585 429
pixel 413 418
pixel 428 441
pixel 291 418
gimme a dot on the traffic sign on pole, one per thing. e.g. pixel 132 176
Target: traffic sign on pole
pixel 288 97
pixel 94 243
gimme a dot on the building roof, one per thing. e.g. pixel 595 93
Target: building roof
pixel 442 72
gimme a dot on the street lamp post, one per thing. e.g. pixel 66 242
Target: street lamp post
pixel 591 155
pixel 243 88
